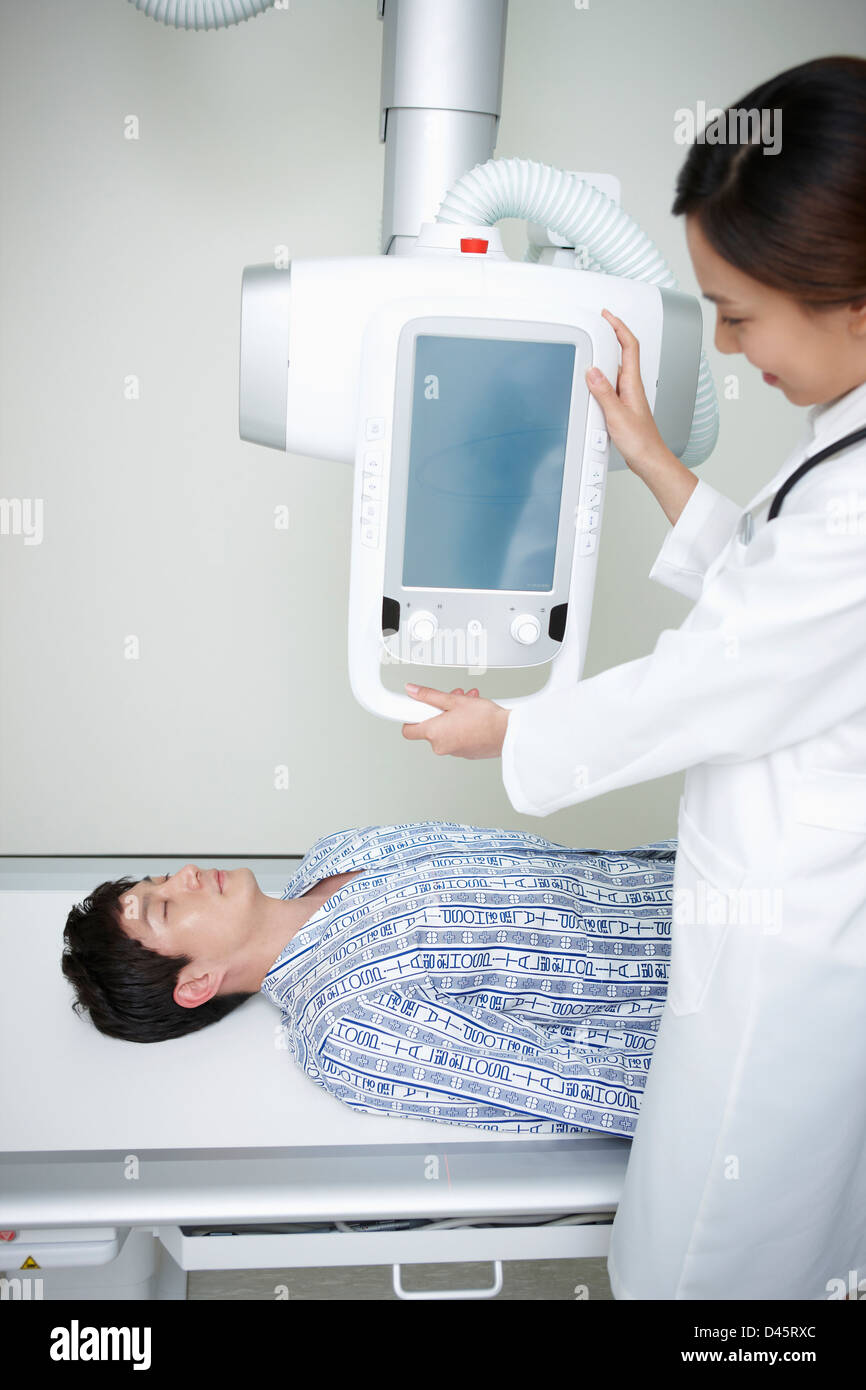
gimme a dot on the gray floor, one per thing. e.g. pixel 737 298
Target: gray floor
pixel 522 1279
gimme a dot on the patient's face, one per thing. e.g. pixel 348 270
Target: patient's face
pixel 201 913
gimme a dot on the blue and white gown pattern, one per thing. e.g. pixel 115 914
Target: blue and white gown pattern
pixel 480 976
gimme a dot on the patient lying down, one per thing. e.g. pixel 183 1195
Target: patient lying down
pixel 431 970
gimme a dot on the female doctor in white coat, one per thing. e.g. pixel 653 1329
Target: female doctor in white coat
pixel 747 1173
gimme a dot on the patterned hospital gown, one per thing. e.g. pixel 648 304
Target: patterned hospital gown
pixel 480 977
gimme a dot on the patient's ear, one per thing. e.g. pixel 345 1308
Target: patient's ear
pixel 190 993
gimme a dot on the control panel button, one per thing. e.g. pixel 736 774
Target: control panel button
pixel 591 497
pixel 588 519
pixel 594 471
pixel 371 510
pixel 586 544
pixel 375 427
pixel 525 628
pixel 369 533
pixel 373 461
pixel 422 625
pixel 598 441
pixel 371 487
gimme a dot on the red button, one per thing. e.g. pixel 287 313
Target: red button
pixel 473 243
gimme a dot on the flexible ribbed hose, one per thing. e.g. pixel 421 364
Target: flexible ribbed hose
pixel 585 217
pixel 201 14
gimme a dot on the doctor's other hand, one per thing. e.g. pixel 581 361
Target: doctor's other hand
pixel 627 414
pixel 468 727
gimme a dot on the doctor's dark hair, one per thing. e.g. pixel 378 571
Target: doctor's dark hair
pixel 792 220
pixel 124 986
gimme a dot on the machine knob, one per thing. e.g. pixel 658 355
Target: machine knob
pixel 422 625
pixel 525 628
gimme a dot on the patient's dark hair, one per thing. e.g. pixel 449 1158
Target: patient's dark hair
pixel 793 220
pixel 126 987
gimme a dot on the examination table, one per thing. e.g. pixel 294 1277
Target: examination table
pixel 125 1165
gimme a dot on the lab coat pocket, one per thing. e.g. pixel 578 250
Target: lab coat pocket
pixel 704 878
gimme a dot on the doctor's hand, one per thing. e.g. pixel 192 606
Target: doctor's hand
pixel 469 727
pixel 627 414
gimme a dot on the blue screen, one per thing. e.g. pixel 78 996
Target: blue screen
pixel 486 461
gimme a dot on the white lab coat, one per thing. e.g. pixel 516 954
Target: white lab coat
pixel 747 1173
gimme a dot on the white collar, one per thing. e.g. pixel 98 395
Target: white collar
pixel 832 419
pixel 826 423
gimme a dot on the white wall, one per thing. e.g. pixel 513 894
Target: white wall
pixel 122 257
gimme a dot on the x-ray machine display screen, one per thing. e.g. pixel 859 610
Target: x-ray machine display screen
pixel 486 460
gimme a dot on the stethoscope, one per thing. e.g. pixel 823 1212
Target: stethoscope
pixel 746 527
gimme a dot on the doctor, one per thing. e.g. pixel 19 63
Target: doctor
pixel 747 1174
